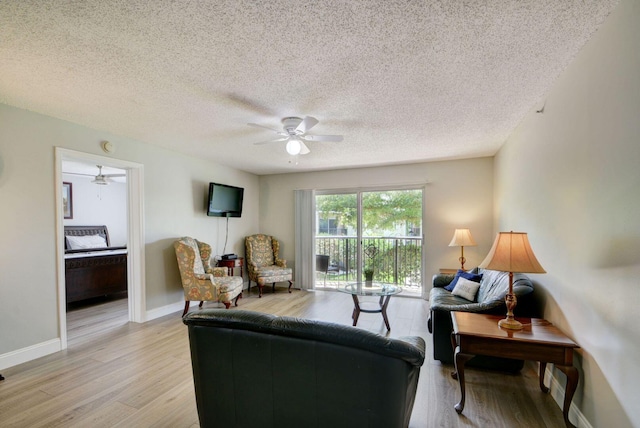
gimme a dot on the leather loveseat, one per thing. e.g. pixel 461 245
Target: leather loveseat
pixel 258 370
pixel 494 286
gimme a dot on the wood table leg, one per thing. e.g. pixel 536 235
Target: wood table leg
pixel 454 345
pixel 570 389
pixel 356 309
pixel 460 360
pixel 543 367
pixel 384 311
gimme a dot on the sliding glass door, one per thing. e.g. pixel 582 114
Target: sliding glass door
pixel 373 230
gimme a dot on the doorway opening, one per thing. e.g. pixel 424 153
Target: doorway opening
pixel 131 233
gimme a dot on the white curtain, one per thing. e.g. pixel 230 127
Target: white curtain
pixel 304 239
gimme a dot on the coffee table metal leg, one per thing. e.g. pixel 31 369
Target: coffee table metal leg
pixel 356 309
pixel 383 308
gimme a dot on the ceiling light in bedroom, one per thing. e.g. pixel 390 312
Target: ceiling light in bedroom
pixel 101 180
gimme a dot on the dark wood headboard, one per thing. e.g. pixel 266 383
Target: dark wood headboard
pixel 86 230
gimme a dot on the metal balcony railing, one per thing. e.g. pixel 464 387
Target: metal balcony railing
pixel 397 259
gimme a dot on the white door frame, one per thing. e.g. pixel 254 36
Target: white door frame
pixel 135 234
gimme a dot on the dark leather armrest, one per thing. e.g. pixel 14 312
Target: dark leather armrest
pixel 441 280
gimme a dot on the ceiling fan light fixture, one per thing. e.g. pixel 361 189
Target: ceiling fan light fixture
pixel 295 134
pixel 293 146
pixel 100 180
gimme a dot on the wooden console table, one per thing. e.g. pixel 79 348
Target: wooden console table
pixel 539 340
pixel 232 264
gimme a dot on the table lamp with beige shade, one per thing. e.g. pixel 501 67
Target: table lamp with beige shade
pixel 511 252
pixel 462 238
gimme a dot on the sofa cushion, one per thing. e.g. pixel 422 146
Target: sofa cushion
pixel 495 285
pixel 274 271
pixel 463 274
pixel 466 289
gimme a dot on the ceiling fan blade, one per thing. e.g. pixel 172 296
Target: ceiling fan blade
pixel 304 149
pixel 332 138
pixel 277 140
pixel 266 127
pixel 79 173
pixel 114 175
pixel 307 123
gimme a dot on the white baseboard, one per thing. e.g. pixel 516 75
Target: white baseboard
pixel 29 353
pixel 164 310
pixel 171 309
pixel 557 392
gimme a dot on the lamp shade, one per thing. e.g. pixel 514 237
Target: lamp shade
pixel 511 252
pixel 462 238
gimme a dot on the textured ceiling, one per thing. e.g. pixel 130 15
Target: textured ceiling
pixel 403 81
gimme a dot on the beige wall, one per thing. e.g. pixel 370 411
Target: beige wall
pixel 570 178
pixel 457 194
pixel 175 188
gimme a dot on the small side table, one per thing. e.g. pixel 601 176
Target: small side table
pixel 231 265
pixel 539 340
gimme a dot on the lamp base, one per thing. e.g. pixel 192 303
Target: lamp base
pixel 462 260
pixel 510 323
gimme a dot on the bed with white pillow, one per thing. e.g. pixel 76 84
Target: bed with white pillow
pixel 93 268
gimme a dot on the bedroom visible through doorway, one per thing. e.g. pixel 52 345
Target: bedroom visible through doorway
pixel 118 206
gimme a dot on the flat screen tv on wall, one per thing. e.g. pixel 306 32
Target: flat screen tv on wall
pixel 224 200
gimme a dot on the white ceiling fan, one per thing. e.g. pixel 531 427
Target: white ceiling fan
pixel 101 179
pixel 295 134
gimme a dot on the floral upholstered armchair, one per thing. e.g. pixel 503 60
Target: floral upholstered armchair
pixel 201 281
pixel 263 264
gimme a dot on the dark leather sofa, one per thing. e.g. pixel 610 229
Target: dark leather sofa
pixel 258 370
pixel 490 299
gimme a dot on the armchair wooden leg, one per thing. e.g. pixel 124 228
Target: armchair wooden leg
pixel 239 297
pixel 290 284
pixel 201 302
pixel 273 287
pixel 186 307
pixel 260 290
pixel 227 304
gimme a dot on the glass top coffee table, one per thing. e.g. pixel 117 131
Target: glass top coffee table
pixel 384 291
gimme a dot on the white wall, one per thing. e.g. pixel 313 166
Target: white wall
pixel 570 178
pixel 96 205
pixel 458 194
pixel 175 191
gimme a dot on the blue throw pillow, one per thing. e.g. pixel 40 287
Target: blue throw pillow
pixel 463 274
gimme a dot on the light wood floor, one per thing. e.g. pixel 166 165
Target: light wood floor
pixel 120 374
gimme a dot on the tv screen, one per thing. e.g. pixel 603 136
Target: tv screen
pixel 224 200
